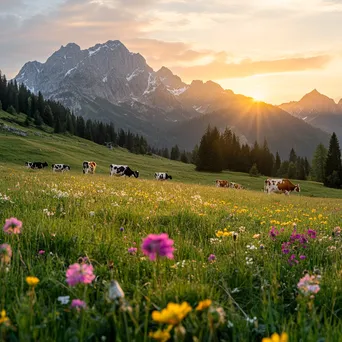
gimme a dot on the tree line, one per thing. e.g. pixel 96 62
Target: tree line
pixel 218 152
pixel 16 99
pixel 326 164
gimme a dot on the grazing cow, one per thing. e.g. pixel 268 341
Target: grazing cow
pixel 222 183
pixel 60 167
pixel 89 167
pixel 36 165
pixel 233 185
pixel 122 170
pixel 280 186
pixel 162 176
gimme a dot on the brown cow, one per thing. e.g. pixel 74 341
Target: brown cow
pixel 222 183
pixel 280 185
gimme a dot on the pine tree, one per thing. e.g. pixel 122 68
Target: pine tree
pixel 175 153
pixel 194 155
pixel 292 170
pixel 293 156
pixel 318 163
pixel 253 172
pixel 276 164
pixel 333 167
pixel 37 118
pixel 184 157
pixel 47 116
pixel 165 153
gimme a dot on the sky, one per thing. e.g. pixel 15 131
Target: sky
pixel 272 50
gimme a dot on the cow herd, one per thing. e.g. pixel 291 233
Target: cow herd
pixel 90 167
pixel 276 185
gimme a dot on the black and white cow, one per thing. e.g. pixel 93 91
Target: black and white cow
pixel 36 165
pixel 60 167
pixel 122 170
pixel 162 176
pixel 89 167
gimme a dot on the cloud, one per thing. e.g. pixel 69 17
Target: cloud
pixel 219 70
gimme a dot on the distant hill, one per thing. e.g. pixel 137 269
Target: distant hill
pixel 109 83
pixel 318 110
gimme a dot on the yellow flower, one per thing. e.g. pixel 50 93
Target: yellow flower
pixel 173 314
pixel 3 317
pixel 161 335
pixel 32 281
pixel 204 304
pixel 276 338
pixel 256 236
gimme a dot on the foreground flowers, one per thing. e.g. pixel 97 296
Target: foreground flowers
pixel 5 253
pixel 78 304
pixel 309 285
pixel 173 314
pixel 161 335
pixel 12 226
pixel 158 245
pixel 3 318
pixel 276 338
pixel 32 281
pixel 204 304
pixel 77 273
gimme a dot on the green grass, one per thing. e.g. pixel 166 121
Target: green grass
pixel 72 215
pixel 42 146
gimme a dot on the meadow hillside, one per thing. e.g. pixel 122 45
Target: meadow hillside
pixel 54 148
pixel 241 251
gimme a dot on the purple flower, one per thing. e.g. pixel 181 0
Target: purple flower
pixel 212 257
pixel 132 250
pixel 122 229
pixel 41 252
pixel 302 257
pixel 285 247
pixel 292 260
pixel 312 233
pixel 273 233
pixel 158 245
pixel 78 304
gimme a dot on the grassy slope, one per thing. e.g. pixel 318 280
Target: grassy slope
pixel 54 148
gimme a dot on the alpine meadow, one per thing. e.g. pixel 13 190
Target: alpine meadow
pixel 170 170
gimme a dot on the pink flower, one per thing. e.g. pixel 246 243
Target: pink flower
pixel 132 250
pixel 41 252
pixel 158 245
pixel 78 304
pixel 309 285
pixel 77 273
pixel 12 226
pixel 5 253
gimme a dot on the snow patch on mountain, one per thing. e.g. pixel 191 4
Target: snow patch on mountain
pixel 177 92
pixel 152 84
pixel 135 73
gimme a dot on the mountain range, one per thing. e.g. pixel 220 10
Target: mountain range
pixel 107 82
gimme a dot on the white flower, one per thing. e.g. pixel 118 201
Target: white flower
pixel 64 300
pixel 92 213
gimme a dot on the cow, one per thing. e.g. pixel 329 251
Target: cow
pixel 89 167
pixel 122 170
pixel 162 176
pixel 280 185
pixel 222 183
pixel 60 167
pixel 237 186
pixel 36 165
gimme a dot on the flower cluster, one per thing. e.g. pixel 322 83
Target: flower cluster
pixel 79 274
pixel 309 285
pixel 5 253
pixel 155 246
pixel 12 226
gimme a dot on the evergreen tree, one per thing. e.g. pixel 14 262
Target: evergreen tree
pixel 293 156
pixel 292 170
pixel 184 157
pixel 37 118
pixel 283 170
pixel 47 116
pixel 253 172
pixel 318 163
pixel 276 164
pixel 175 153
pixel 57 127
pixel 333 167
pixel 194 155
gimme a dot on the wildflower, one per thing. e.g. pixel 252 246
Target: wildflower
pixel 285 247
pixel 78 304
pixel 173 314
pixel 235 236
pixel 115 291
pixel 158 245
pixel 32 281
pixel 77 273
pixel 256 236
pixel 212 258
pixel 273 233
pixel 309 285
pixel 63 300
pixel 41 252
pixel 5 253
pixel 276 338
pixel 217 315
pixel 204 304
pixel 12 226
pixel 3 317
pixel 292 260
pixel 161 335
pixel 122 229
pixel 132 250
pixel 92 213
pixel 302 257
